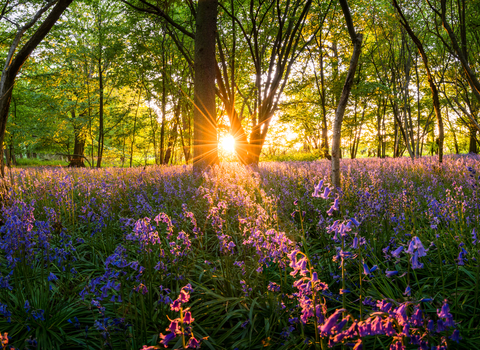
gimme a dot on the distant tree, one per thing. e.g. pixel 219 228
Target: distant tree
pixel 18 53
pixel 430 78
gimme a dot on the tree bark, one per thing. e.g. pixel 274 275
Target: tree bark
pixel 77 157
pixel 205 152
pixel 134 129
pixel 101 133
pixel 347 87
pixel 171 143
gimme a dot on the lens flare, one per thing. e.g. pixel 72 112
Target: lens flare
pixel 227 144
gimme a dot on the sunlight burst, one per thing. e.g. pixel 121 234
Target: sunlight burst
pixel 227 144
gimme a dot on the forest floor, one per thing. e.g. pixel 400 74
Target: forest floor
pixel 243 258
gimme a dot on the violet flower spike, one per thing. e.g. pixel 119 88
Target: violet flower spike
pixel 326 193
pixel 317 189
pixel 391 273
pixel 396 252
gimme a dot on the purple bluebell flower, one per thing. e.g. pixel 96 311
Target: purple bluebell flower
pixel 388 327
pixel 396 252
pixel 355 242
pixel 326 328
pixel 411 248
pixel 401 314
pixel 326 193
pixel 415 263
pixel 384 306
pixel 461 256
pixel 440 326
pixel 355 222
pixel 419 247
pixel 273 287
pixel 455 336
pixel 317 189
pixel 377 326
pixel 417 317
pixel 367 271
pixel 193 343
pixel 431 326
pixel 165 339
pixel 187 317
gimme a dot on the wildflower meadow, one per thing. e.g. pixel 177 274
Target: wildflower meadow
pixel 265 257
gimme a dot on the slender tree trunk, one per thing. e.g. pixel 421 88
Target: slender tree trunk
pixel 100 114
pixel 153 124
pixel 90 126
pixel 134 129
pixel 186 141
pixel 123 150
pixel 419 114
pixel 205 152
pixel 101 133
pixel 384 142
pixel 347 87
pixel 457 151
pixel 433 87
pixel 408 136
pixel 324 146
pixel 164 110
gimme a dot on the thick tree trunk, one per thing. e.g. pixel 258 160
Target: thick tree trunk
pixel 5 99
pixel 472 146
pixel 77 158
pixel 171 143
pixel 205 152
pixel 347 87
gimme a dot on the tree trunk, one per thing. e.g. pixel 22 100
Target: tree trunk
pixel 472 146
pixel 347 87
pixel 77 158
pixel 100 114
pixel 153 124
pixel 171 143
pixel 164 112
pixel 134 129
pixel 205 152
pixel 324 146
pixel 433 87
